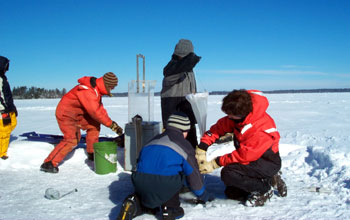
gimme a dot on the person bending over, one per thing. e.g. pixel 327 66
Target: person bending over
pixel 252 170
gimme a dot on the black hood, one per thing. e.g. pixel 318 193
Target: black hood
pixel 3 64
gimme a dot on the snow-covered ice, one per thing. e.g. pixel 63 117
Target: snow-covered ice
pixel 314 148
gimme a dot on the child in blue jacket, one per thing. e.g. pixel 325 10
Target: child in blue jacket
pixel 164 165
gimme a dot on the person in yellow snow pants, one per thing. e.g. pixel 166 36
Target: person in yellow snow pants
pixel 8 111
pixel 5 133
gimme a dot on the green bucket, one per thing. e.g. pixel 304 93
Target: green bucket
pixel 105 157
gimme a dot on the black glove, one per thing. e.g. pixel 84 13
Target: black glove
pixel 203 146
pixel 6 119
pixel 205 197
pixel 116 128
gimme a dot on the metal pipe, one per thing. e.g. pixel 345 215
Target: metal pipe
pixel 143 83
pixel 137 72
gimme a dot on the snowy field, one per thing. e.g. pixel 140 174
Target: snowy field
pixel 314 148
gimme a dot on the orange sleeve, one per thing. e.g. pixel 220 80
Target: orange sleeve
pixel 223 125
pixel 91 101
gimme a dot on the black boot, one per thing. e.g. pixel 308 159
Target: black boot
pixel 48 167
pixel 258 198
pixel 130 209
pixel 278 183
pixel 172 213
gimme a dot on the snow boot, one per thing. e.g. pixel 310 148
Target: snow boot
pixel 4 157
pixel 278 184
pixel 235 193
pixel 172 213
pixel 48 167
pixel 258 199
pixel 130 209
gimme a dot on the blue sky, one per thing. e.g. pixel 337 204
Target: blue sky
pixel 252 44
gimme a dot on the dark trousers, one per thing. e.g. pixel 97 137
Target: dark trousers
pixel 174 202
pixel 156 190
pixel 255 176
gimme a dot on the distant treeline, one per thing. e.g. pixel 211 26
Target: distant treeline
pixel 290 91
pixel 23 92
pixel 125 94
pixel 37 93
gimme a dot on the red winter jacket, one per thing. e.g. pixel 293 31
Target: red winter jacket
pixel 84 99
pixel 253 137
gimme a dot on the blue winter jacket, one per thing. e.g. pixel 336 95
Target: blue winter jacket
pixel 164 165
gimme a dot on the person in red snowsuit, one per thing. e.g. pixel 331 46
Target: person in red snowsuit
pixel 82 108
pixel 252 170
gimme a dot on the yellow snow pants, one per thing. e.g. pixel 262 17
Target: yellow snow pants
pixel 5 133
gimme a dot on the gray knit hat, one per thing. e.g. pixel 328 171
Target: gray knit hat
pixel 180 121
pixel 183 48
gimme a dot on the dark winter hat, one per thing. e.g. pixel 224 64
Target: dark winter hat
pixel 183 48
pixel 110 80
pixel 4 64
pixel 180 121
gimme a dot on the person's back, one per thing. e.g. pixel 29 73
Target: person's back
pixel 163 159
pixel 164 165
pixel 85 100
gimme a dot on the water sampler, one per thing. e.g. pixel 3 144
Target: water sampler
pixel 141 126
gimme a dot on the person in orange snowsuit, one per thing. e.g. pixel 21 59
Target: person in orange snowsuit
pixel 82 108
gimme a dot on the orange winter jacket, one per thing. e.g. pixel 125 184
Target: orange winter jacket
pixel 85 100
pixel 253 137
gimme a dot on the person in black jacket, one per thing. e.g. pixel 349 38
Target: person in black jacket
pixel 8 109
pixel 179 81
pixel 164 166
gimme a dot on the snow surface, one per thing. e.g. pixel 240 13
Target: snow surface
pixel 314 148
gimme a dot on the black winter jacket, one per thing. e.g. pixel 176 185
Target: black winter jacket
pixel 179 81
pixel 6 100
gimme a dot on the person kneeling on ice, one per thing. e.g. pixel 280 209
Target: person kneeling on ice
pixel 164 166
pixel 251 171
pixel 82 108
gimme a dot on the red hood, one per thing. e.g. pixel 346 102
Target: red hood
pixel 100 86
pixel 260 104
